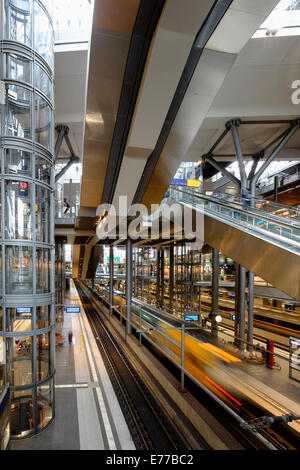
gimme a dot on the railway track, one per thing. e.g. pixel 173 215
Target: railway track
pixel 281 436
pixel 148 424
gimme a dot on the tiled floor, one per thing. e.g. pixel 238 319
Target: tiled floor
pixel 88 415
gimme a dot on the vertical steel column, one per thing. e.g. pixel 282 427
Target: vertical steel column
pixel 157 274
pixel 242 303
pixel 276 189
pixel 162 277
pixel 294 126
pixel 238 150
pixel 111 278
pixel 192 281
pixel 250 310
pixel 171 277
pixel 128 284
pixel 237 303
pixel 182 356
pixel 215 290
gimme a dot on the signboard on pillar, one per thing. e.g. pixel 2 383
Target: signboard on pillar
pixel 294 369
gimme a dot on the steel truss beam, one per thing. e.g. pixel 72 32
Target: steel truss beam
pixel 248 182
pixel 63 134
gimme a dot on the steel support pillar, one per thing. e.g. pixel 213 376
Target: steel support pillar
pixel 62 131
pixel 162 277
pixel 111 278
pixel 134 271
pixel 233 125
pixel 128 284
pixel 276 189
pixel 242 305
pixel 157 275
pixel 215 290
pixel 237 315
pixel 250 311
pixel 295 125
pixel 222 170
pixel 171 277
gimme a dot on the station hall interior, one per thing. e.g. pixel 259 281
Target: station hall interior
pixel 150 225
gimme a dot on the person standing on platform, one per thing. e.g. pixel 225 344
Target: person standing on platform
pixel 70 335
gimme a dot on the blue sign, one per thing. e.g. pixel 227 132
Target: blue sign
pixel 72 309
pixel 233 317
pixel 179 182
pixel 191 317
pixel 24 310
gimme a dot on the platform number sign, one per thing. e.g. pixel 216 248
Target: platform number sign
pixel 295 359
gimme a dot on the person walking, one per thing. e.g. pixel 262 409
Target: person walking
pixel 245 196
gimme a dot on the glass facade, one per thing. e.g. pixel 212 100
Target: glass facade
pixel 27 303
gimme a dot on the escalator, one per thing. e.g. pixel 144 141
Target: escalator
pixel 261 236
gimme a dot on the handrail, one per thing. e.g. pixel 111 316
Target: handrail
pixel 265 215
pixel 239 202
pixel 260 200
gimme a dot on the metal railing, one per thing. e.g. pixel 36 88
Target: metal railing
pixel 280 229
pixel 181 366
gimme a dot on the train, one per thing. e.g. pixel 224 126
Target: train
pixel 273 324
pixel 204 361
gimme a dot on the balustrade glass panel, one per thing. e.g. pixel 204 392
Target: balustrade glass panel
pixel 45 404
pixel 43 115
pixel 18 225
pixel 43 317
pixel 43 34
pixel 18 25
pixel 42 82
pixel 20 361
pixel 42 214
pixel 17 162
pixel 42 170
pixel 18 116
pixel 42 271
pixel 19 319
pixel 21 414
pixel 19 270
pixel 18 68
pixel 43 356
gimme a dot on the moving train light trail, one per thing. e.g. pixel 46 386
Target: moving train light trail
pixel 218 370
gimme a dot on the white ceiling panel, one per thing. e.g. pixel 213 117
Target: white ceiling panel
pixel 177 29
pixel 239 24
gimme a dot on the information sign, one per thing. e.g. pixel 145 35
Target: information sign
pixel 24 310
pixel 191 317
pixel 72 309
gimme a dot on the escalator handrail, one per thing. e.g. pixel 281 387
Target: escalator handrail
pixel 265 215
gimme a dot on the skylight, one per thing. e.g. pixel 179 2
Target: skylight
pixel 72 20
pixel 283 21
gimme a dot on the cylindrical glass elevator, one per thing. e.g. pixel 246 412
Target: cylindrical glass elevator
pixel 27 286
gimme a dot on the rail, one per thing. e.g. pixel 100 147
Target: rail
pixel 284 232
pixel 121 310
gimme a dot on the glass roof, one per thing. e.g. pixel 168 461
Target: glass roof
pixel 283 21
pixel 72 20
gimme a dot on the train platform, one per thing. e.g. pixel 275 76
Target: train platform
pixel 273 389
pixel 88 414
